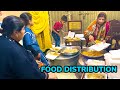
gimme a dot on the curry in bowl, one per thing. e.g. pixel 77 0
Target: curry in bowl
pixel 92 53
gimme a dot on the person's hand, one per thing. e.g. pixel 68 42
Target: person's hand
pixel 91 38
pixel 66 33
pixel 104 41
pixel 40 64
pixel 37 57
pixel 59 35
pixel 52 76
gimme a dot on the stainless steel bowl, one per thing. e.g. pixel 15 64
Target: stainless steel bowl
pixel 68 60
pixel 69 53
pixel 92 57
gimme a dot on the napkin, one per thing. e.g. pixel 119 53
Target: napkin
pixel 99 46
pixel 52 57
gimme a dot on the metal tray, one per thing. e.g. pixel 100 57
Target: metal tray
pixel 92 57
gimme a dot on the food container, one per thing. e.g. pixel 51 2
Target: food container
pixel 91 54
pixel 95 76
pixel 113 61
pixel 95 62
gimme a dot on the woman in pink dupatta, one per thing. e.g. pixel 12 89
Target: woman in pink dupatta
pixel 97 30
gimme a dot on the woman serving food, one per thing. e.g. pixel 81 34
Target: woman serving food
pixel 97 30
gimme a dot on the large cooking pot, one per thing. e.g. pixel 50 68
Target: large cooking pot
pixel 66 59
pixel 91 56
